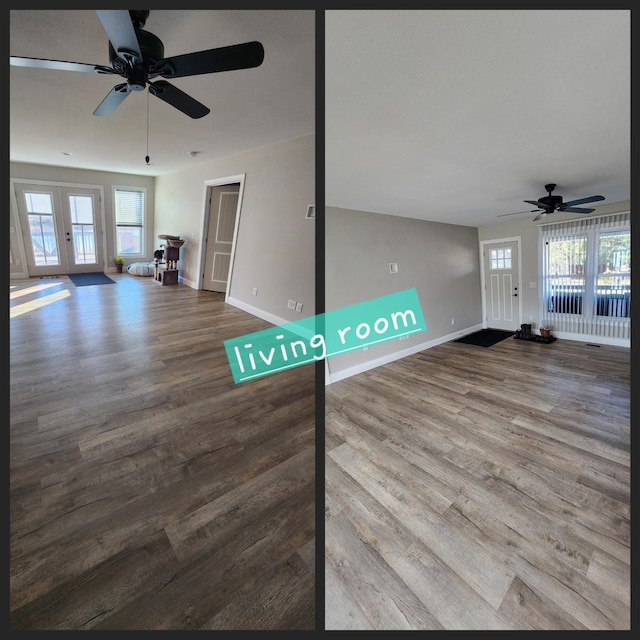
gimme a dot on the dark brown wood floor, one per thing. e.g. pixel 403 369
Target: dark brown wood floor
pixel 147 490
pixel 481 488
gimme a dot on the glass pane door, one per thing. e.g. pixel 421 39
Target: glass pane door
pixel 83 232
pixel 44 243
pixel 61 229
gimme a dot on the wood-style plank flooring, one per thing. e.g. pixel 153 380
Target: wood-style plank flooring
pixel 481 488
pixel 147 489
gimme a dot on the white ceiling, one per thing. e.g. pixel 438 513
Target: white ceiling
pixel 458 116
pixel 51 110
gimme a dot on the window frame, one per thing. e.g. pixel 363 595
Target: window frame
pixel 581 311
pixel 142 227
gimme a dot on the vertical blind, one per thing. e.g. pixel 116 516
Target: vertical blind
pixel 586 276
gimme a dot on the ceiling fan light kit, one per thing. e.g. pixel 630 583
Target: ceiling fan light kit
pixel 138 56
pixel 550 203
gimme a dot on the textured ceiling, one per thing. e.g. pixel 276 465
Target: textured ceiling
pixel 51 110
pixel 458 116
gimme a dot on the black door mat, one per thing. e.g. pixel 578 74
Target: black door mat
pixel 485 337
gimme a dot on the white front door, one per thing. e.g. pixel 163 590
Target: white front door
pixel 223 209
pixel 61 228
pixel 501 285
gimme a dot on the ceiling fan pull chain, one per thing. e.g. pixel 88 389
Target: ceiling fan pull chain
pixel 146 158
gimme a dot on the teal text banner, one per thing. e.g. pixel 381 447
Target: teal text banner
pixel 325 335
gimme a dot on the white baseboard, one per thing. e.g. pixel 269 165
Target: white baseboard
pixel 255 311
pixel 392 357
pixel 579 337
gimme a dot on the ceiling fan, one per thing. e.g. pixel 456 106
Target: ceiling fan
pixel 138 56
pixel 549 204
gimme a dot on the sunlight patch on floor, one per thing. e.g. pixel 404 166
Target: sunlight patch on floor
pixel 25 307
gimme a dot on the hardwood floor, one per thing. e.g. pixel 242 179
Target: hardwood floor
pixel 481 488
pixel 147 490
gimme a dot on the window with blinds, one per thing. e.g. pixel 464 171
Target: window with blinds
pixel 129 215
pixel 586 276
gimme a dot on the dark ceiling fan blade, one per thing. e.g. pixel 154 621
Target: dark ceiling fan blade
pixel 582 201
pixel 237 56
pixel 113 100
pixel 178 99
pixel 61 65
pixel 536 203
pixel 122 35
pixel 576 210
pixel 516 213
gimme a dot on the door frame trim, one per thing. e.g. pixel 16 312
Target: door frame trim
pixel 483 282
pixel 208 184
pixel 72 185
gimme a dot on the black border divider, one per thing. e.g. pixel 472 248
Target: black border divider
pixel 319 310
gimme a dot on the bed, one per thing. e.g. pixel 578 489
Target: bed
pixel 141 268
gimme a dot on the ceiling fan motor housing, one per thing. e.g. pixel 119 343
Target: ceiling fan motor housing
pixel 552 202
pixel 152 50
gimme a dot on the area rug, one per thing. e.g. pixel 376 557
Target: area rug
pixel 86 279
pixel 485 337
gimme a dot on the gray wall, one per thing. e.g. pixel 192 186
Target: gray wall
pixel 440 260
pixel 275 250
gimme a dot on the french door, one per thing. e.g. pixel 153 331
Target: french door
pixel 61 228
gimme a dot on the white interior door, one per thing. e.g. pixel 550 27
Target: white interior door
pixel 223 209
pixel 61 228
pixel 501 285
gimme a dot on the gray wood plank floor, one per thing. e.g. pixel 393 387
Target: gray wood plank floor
pixel 148 491
pixel 481 488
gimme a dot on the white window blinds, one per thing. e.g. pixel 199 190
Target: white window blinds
pixel 129 208
pixel 586 276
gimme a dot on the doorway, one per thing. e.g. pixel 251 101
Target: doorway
pixel 501 297
pixel 61 228
pixel 222 216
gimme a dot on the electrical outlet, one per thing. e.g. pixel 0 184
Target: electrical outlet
pixel 291 304
pixel 255 291
pixel 299 307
